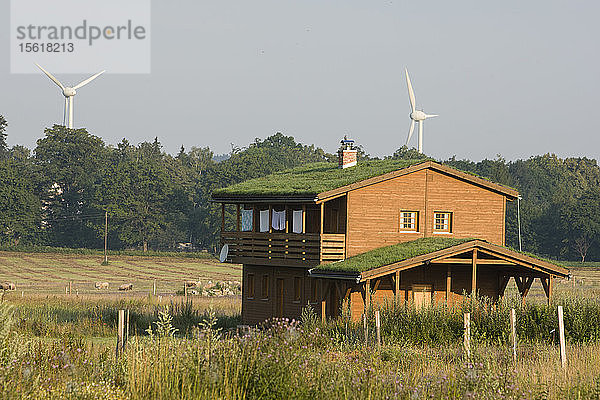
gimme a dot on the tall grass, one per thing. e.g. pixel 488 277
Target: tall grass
pixel 59 316
pixel 421 356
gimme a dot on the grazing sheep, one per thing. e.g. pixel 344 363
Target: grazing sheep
pixel 8 286
pixel 101 285
pixel 126 286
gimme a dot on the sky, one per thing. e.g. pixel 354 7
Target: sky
pixel 515 78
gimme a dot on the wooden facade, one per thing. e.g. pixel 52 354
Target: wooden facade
pixel 420 201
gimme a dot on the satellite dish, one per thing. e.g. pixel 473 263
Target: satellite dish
pixel 224 253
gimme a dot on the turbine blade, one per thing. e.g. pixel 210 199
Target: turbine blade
pixel 411 94
pixel 49 75
pixel 431 115
pixel 88 80
pixel 410 132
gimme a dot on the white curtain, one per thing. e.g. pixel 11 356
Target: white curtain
pixel 297 221
pixel 264 220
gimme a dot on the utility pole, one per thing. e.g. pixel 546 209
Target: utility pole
pixel 106 237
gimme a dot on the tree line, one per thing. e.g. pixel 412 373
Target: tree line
pixel 58 194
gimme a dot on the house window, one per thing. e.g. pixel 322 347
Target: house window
pixel 442 222
pixel 250 286
pixel 265 287
pixel 297 289
pixel 409 221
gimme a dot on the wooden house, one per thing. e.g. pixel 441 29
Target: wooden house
pixel 415 230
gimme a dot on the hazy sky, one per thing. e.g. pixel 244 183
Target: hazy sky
pixel 516 78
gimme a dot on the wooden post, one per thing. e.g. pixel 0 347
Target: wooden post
pixel 303 218
pixel 120 332
pixel 547 285
pixel 366 330
pixel 66 290
pixel 287 220
pixel 367 295
pixel 270 219
pixel 322 218
pixel 238 218
pixel 106 237
pixel 321 233
pixel 397 284
pixel 70 287
pixel 323 308
pixel 126 330
pixel 474 274
pixel 467 334
pixel 513 333
pixel 378 327
pixel 561 337
pixel 154 288
pixel 184 290
pixel 448 283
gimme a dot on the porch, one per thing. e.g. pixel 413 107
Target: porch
pixel 475 267
pixel 285 234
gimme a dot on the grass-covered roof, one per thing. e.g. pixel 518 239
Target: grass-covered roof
pixel 391 254
pixel 313 179
pixel 403 251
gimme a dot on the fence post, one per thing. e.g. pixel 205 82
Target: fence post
pixel 513 333
pixel 120 333
pixel 378 326
pixel 70 287
pixel 561 337
pixel 184 290
pixel 365 330
pixel 154 288
pixel 467 337
pixel 126 330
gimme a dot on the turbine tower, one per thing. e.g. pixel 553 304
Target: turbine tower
pixel 415 115
pixel 69 92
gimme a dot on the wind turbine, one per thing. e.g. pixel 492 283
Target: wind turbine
pixel 69 92
pixel 415 115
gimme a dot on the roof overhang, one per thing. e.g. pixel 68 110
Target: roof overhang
pixel 501 257
pixel 263 199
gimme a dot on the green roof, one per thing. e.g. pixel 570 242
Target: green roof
pixel 404 251
pixel 313 179
pixel 391 254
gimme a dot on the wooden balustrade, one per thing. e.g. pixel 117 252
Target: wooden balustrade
pixel 306 248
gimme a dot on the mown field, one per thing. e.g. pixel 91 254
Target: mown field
pixel 54 346
pixel 50 273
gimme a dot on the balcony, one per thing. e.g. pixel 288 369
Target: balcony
pixel 284 249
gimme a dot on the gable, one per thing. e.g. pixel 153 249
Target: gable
pixel 458 176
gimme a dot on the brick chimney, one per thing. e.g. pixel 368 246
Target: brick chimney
pixel 347 154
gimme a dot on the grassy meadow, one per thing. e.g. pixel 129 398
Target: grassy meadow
pixel 56 346
pixel 50 273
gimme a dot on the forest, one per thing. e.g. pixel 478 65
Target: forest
pixel 57 194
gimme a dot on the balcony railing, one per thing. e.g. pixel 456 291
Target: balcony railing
pixel 294 248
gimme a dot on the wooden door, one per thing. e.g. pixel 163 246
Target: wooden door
pixel 422 295
pixel 279 298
